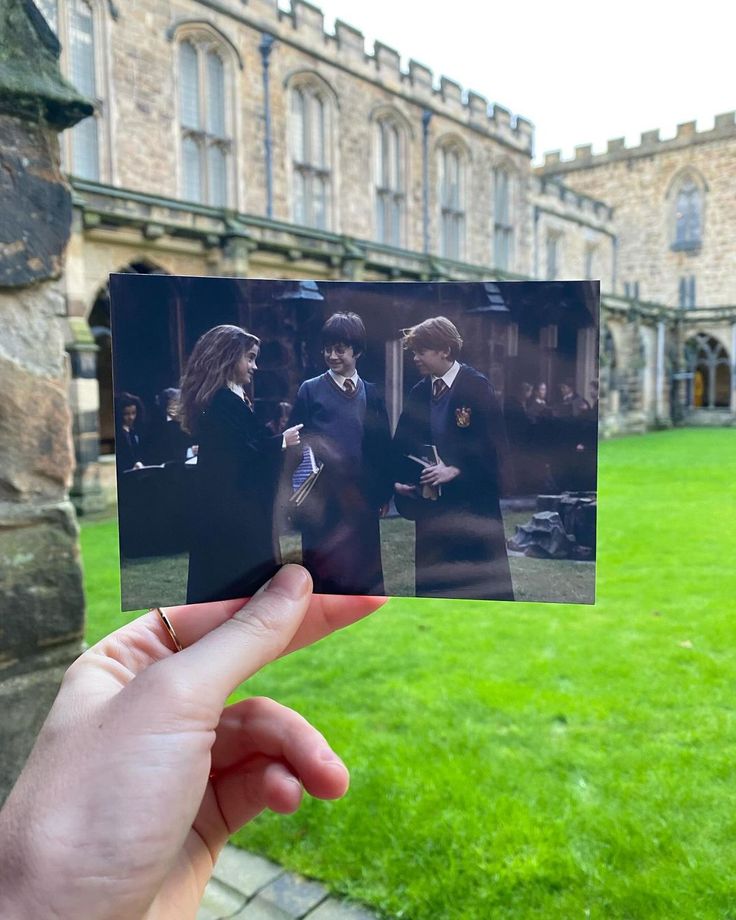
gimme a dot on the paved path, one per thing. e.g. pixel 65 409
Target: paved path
pixel 248 887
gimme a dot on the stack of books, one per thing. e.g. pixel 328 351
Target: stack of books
pixel 305 476
pixel 429 457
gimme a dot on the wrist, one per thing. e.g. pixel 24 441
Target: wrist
pixel 17 900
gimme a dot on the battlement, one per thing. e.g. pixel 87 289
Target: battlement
pixel 650 143
pixel 302 25
pixel 553 192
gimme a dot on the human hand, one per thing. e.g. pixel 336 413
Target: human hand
pixel 401 488
pixel 141 773
pixel 383 510
pixel 438 474
pixel 291 436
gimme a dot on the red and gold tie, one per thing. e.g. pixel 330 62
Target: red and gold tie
pixel 438 388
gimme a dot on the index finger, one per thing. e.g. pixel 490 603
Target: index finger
pixel 326 614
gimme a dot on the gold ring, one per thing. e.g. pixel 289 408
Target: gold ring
pixel 169 629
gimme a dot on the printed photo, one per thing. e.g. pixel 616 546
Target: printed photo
pixel 428 439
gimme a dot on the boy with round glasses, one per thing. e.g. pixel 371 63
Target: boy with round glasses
pixel 346 427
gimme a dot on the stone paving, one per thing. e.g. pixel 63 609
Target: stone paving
pixel 248 887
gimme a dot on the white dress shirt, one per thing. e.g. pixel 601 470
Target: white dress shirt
pixel 449 376
pixel 340 380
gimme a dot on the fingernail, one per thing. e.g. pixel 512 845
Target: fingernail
pixel 291 580
pixel 327 755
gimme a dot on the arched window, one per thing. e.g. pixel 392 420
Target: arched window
pixel 452 201
pixel 85 161
pixel 204 122
pixel 707 361
pixel 552 246
pixel 688 215
pixel 390 182
pixel 311 158
pixel 78 28
pixel 503 230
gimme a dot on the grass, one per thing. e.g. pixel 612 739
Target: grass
pixel 162 579
pixel 521 760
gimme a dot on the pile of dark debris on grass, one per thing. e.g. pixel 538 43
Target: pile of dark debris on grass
pixel 563 527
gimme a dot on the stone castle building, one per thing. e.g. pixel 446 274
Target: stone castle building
pixel 233 137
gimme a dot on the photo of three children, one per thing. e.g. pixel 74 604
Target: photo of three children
pixel 334 465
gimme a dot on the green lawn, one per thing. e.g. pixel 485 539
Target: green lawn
pixel 163 579
pixel 521 760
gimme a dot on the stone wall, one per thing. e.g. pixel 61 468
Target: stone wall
pixel 41 598
pixel 140 135
pixel 640 184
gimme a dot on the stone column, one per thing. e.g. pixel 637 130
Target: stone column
pixel 586 366
pixel 732 357
pixel 660 373
pixel 41 598
pixel 394 387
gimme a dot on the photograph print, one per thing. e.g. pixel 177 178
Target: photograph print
pixel 429 439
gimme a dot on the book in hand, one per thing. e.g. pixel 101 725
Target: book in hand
pixel 305 476
pixel 428 456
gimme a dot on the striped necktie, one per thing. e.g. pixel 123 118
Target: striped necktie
pixel 438 388
pixel 349 387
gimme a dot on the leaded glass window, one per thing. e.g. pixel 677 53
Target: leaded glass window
pixel 205 140
pixel 310 155
pixel 452 202
pixel 688 216
pixel 85 160
pixel 503 231
pixel 390 183
pixel 553 255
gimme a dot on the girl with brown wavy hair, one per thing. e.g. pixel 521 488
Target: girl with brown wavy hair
pixel 233 548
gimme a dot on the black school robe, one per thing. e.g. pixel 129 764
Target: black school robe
pixel 460 542
pixel 233 548
pixel 342 549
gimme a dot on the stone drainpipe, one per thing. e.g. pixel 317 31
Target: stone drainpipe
pixel 41 597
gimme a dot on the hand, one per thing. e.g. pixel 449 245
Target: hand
pixel 141 773
pixel 401 488
pixel 291 436
pixel 383 510
pixel 438 474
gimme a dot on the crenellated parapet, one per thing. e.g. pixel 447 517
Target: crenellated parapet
pixel 650 143
pixel 560 197
pixel 302 25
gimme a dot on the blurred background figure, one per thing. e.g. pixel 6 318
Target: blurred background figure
pixel 129 422
pixel 166 441
pixel 571 402
pixel 279 422
pixel 537 404
pixel 518 429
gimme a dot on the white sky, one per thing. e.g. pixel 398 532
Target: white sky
pixel 581 71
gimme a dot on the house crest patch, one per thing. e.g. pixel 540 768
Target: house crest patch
pixel 462 417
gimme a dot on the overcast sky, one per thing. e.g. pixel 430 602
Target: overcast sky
pixel 581 71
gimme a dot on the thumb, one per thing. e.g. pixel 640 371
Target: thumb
pixel 215 665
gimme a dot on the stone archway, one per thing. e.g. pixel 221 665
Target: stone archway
pixel 709 364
